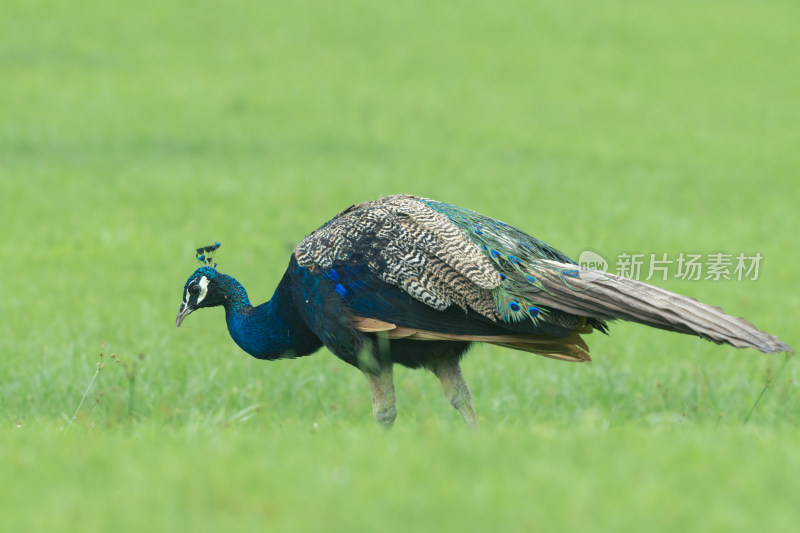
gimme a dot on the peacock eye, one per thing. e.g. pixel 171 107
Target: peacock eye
pixel 194 290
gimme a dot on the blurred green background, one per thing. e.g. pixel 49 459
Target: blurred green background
pixel 130 134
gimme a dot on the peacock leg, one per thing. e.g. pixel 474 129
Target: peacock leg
pixel 384 401
pixel 455 388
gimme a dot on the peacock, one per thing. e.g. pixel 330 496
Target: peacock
pixel 412 281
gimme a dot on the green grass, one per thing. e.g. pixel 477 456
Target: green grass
pixel 131 134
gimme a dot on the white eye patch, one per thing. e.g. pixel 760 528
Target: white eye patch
pixel 203 284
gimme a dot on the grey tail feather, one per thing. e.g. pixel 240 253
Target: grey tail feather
pixel 606 296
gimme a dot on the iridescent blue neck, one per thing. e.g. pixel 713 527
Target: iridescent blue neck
pixel 272 330
pixel 235 296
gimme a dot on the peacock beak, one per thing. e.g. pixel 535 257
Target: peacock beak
pixel 183 313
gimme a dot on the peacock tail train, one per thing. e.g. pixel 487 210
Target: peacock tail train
pixel 443 255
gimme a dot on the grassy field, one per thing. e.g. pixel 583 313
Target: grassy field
pixel 131 134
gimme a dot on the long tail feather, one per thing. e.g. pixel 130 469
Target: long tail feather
pixel 606 297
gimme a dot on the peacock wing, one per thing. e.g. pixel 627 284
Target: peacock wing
pixel 443 255
pixel 407 244
pixel 527 268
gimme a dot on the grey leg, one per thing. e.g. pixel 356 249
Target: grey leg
pixel 384 401
pixel 456 390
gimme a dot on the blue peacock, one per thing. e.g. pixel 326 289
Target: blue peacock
pixel 412 281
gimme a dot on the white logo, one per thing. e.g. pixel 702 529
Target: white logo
pixel 593 266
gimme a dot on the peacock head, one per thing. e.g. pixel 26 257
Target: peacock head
pixel 204 288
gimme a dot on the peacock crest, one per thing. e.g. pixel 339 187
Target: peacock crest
pixel 205 254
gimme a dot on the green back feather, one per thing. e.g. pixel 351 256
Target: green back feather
pixel 516 255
